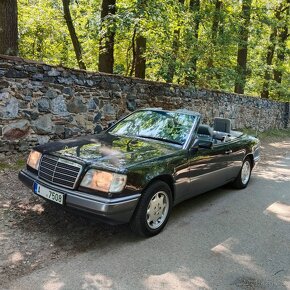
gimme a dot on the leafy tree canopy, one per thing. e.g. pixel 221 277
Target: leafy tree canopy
pixel 173 46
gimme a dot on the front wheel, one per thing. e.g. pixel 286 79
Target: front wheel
pixel 153 210
pixel 244 175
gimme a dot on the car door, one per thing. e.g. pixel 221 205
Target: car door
pixel 236 153
pixel 208 168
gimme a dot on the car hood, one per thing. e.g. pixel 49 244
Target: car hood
pixel 109 151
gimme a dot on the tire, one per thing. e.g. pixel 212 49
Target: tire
pixel 243 178
pixel 153 210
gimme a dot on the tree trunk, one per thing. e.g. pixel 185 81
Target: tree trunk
pixel 8 27
pixel 73 35
pixel 140 49
pixel 215 29
pixel 140 66
pixel 282 47
pixel 269 60
pixel 242 55
pixel 175 49
pixel 172 61
pixel 106 45
pixel 195 9
pixel 270 54
pixel 131 66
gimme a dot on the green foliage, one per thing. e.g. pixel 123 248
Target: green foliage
pixel 12 164
pixel 44 36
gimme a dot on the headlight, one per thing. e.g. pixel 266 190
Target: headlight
pixel 104 181
pixel 33 159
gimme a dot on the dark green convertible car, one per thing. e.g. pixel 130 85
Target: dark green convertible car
pixel 138 169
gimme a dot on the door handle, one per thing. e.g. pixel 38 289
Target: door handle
pixel 228 152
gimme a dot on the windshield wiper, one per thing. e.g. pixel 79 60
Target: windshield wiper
pixel 159 139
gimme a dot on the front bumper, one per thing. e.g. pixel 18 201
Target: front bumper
pixel 113 211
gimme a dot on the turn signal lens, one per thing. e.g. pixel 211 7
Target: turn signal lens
pixel 34 159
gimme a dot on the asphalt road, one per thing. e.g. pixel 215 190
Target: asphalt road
pixel 224 239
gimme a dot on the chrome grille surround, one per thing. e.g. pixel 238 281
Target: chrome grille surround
pixel 59 171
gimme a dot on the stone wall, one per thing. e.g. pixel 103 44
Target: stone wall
pixel 39 102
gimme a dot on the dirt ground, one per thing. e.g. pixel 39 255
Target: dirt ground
pixel 34 233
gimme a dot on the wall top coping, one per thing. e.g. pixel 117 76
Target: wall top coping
pixel 8 58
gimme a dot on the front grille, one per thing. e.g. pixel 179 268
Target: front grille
pixel 59 171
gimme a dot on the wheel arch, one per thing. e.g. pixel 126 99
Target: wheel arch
pixel 167 178
pixel 251 157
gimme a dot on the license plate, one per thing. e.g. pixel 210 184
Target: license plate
pixel 48 193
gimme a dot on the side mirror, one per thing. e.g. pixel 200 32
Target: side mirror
pixel 205 144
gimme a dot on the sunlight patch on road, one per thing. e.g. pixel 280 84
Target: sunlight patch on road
pixel 38 208
pixel 227 249
pixel 287 282
pixel 171 280
pixel 3 236
pixel 5 204
pixel 97 281
pixel 279 210
pixel 281 145
pixel 16 257
pixel 277 173
pixel 54 282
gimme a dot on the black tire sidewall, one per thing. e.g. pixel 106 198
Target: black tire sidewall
pixel 238 182
pixel 141 212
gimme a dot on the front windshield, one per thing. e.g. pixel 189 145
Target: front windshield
pixel 171 127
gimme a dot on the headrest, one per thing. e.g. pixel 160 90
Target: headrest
pixel 204 130
pixel 222 125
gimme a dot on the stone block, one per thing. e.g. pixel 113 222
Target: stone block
pixel 4 84
pixel 30 114
pixel 9 106
pixel 108 109
pixel 53 73
pixel 117 95
pixel 16 130
pixel 43 105
pixel 51 94
pixel 43 125
pixel 98 129
pixel 58 106
pixel 37 77
pixel 42 139
pixel 91 105
pixel 97 117
pixel 23 145
pixel 13 73
pixel 82 121
pixel 75 105
pixel 59 129
pixel 131 105
pixel 66 81
pixel 68 91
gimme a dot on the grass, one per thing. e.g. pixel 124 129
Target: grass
pixel 17 165
pixel 4 166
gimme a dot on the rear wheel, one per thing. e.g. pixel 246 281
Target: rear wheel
pixel 244 175
pixel 153 210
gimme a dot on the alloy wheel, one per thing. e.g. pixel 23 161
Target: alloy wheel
pixel 157 210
